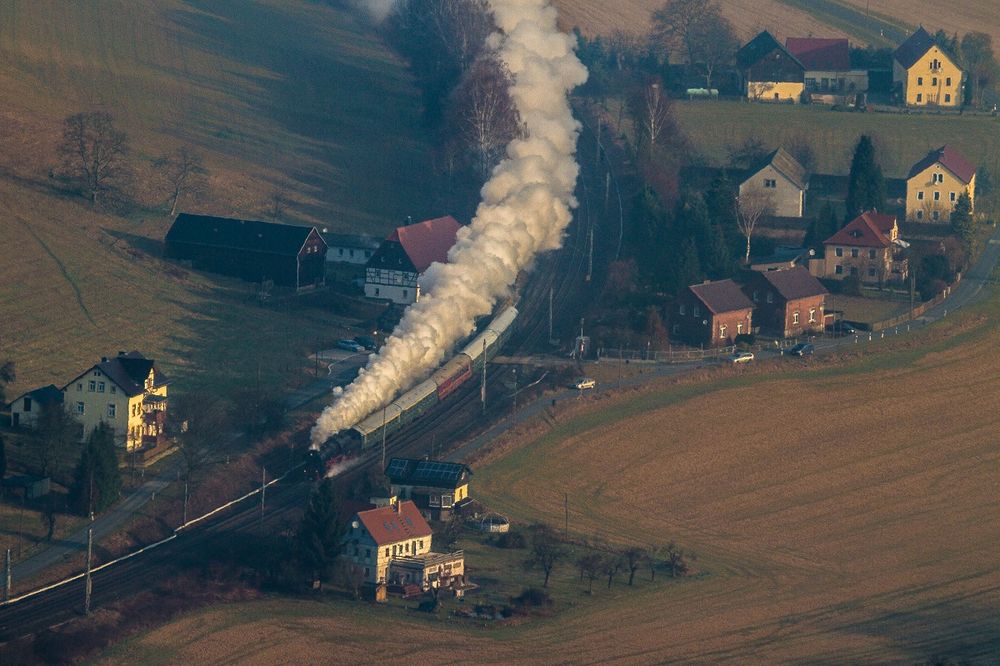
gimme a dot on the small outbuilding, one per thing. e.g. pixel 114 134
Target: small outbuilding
pixel 24 409
pixel 289 255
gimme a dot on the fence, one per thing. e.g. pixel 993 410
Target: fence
pixel 658 356
pixel 917 311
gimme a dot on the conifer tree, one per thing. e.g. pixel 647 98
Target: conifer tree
pixel 866 185
pixel 97 482
pixel 961 219
pixel 321 533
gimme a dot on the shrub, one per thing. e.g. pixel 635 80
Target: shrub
pixel 511 540
pixel 533 596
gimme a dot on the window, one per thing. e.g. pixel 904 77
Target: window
pixel 405 293
pixel 80 408
pixel 920 82
pixel 935 215
pixel 920 214
pixel 681 309
pixel 871 272
pixel 934 81
pixel 739 328
pixel 854 252
pixel 696 311
pixel 79 387
pixel 812 315
pixel 722 331
pixel 114 389
pixel 112 408
pixel 952 196
pixel 839 270
pixel 937 196
pixel 939 178
pixel 770 297
pixel 920 98
pixel 368 553
pixel 920 195
pixel 854 270
pixel 770 182
pixel 947 97
pixel 27 404
pixel 340 251
pixel 947 82
pixel 92 386
pixel 871 254
pixel 795 317
pixel 777 96
pixel 756 296
pixel 421 542
pixel 376 291
pixel 387 551
pixel 840 252
pixel 100 387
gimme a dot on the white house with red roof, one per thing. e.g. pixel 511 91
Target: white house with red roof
pixel 869 247
pixel 935 183
pixel 827 62
pixel 393 273
pixel 392 544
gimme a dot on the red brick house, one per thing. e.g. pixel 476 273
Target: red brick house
pixel 711 314
pixel 787 302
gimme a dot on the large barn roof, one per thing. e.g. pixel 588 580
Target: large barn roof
pixel 821 53
pixel 428 241
pixel 249 235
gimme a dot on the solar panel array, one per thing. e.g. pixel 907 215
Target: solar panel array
pixel 397 467
pixel 430 472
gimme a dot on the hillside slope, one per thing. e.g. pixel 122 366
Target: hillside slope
pixel 290 97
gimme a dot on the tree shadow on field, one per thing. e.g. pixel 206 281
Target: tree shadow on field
pixel 351 117
pixel 949 632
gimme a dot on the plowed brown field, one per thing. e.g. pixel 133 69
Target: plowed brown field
pixel 749 17
pixel 961 17
pixel 840 514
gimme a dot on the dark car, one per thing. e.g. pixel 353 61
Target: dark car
pixel 843 328
pixel 802 349
pixel 366 342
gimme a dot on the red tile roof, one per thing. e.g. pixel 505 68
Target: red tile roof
pixel 721 296
pixel 794 283
pixel 427 241
pixel 950 159
pixel 867 230
pixel 822 54
pixel 391 524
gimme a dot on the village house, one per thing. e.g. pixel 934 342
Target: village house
pixel 870 248
pixel 769 73
pixel 436 487
pixel 788 302
pixel 712 314
pixel 392 544
pixel 827 63
pixel 289 255
pixel 393 273
pixel 924 75
pixel 128 393
pixel 349 248
pixel 783 179
pixel 25 409
pixel 935 183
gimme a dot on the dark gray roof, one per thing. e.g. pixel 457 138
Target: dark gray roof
pixel 249 235
pixel 434 473
pixel 44 395
pixel 721 296
pixel 362 241
pixel 758 47
pixel 793 283
pixel 914 48
pixel 786 165
pixel 129 372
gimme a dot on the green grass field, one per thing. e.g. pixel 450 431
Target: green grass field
pixel 292 97
pixel 713 126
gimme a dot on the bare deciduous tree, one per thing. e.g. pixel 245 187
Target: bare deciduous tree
pixel 95 153
pixel 675 560
pixel 547 550
pixel 611 564
pixel 634 558
pixel 7 375
pixel 756 90
pixel 185 174
pixel 697 29
pixel 54 438
pixel 200 424
pixel 484 114
pixel 590 566
pixel 652 113
pixel 752 205
pixel 459 27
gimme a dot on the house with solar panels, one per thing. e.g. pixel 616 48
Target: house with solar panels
pixel 435 486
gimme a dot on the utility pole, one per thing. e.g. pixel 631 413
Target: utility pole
pixel 590 252
pixel 6 578
pixel 482 387
pixel 263 490
pixel 384 407
pixel 551 290
pixel 185 503
pixel 515 389
pixel 597 160
pixel 88 587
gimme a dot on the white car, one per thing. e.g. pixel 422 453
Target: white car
pixel 741 357
pixel 584 383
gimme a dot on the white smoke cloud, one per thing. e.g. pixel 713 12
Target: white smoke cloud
pixel 376 9
pixel 525 209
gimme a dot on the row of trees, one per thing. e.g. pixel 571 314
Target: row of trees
pixel 549 550
pixel 96 159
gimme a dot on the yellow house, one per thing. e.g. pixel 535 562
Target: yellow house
pixel 936 182
pixel 128 392
pixel 435 486
pixel 924 75
pixel 379 536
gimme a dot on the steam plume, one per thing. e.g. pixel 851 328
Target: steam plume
pixel 524 210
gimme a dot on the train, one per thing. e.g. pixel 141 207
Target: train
pixel 411 405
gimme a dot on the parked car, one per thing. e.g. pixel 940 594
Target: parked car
pixel 366 342
pixel 843 328
pixel 741 357
pixel 584 383
pixel 350 345
pixel 802 349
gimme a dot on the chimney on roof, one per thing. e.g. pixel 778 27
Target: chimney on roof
pixel 104 359
pixel 121 353
pixel 409 220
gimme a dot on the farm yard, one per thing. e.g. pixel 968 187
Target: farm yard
pixel 841 510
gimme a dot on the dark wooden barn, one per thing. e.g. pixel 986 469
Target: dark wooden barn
pixel 288 254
